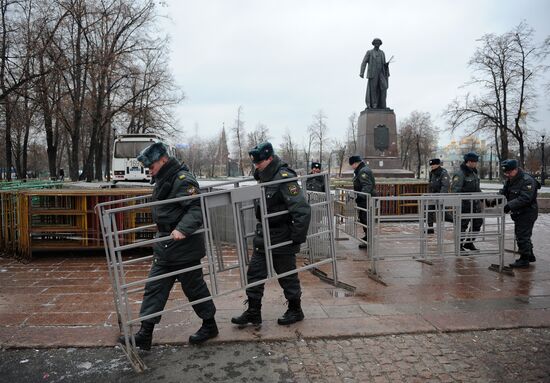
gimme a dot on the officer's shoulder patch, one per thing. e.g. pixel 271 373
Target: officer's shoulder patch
pixel 284 174
pixel 456 177
pixel 182 176
pixel 363 175
pixel 293 189
pixel 529 187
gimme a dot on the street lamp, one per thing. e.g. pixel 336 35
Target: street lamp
pixel 491 164
pixel 543 170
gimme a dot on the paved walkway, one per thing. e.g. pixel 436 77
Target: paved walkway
pixel 66 300
pixel 516 355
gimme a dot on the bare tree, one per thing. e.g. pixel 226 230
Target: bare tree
pixel 318 131
pixel 223 153
pixel 289 150
pixel 506 68
pixel 238 138
pixel 418 128
pixel 340 148
pixel 352 134
pixel 258 135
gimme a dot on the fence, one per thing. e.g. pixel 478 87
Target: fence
pixel 242 201
pixel 411 230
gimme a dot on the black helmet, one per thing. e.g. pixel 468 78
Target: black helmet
pixel 354 159
pixel 152 154
pixel 508 165
pixel 261 152
pixel 471 156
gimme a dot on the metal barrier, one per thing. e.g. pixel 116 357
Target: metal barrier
pixel 347 215
pixel 411 230
pixel 242 200
pixel 14 213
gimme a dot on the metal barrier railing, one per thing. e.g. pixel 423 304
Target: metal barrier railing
pixel 347 215
pixel 241 200
pixel 411 230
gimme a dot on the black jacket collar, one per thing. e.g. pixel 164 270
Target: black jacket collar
pixel 437 171
pixel 466 169
pixel 168 170
pixel 359 167
pixel 270 170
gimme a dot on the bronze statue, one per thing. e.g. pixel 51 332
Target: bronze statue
pixel 378 73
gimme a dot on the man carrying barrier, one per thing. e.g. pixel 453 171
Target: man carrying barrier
pixel 289 227
pixel 316 184
pixel 363 181
pixel 466 180
pixel 179 220
pixel 520 190
pixel 440 182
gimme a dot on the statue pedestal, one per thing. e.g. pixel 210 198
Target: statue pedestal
pixel 377 143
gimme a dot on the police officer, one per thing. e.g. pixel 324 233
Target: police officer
pixel 440 182
pixel 466 180
pixel 316 184
pixel 292 227
pixel 520 190
pixel 178 220
pixel 363 181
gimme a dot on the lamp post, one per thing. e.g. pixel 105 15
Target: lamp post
pixel 543 170
pixel 491 164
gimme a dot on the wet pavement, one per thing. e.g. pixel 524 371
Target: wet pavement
pixel 66 301
pixel 517 355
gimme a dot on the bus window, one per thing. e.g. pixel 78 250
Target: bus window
pixel 130 149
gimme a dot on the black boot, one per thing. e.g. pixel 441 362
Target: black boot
pixel 253 315
pixel 430 230
pixel 522 262
pixel 208 330
pixel 470 246
pixel 532 257
pixel 144 337
pixel 293 314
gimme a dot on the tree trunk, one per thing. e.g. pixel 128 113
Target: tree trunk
pixel 8 146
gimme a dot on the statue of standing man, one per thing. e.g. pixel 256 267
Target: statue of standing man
pixel 378 73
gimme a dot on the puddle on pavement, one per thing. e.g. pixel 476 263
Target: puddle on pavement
pixel 341 293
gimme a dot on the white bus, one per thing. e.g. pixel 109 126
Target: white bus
pixel 126 148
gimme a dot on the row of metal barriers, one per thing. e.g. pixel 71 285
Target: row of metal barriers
pixel 229 225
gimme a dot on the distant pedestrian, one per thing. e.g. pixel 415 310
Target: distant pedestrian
pixel 363 181
pixel 440 182
pixel 520 190
pixel 61 174
pixel 466 180
pixel 316 184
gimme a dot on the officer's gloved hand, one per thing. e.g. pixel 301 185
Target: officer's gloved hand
pixel 507 208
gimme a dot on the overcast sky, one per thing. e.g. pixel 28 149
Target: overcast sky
pixel 285 60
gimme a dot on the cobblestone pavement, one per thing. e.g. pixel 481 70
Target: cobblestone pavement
pixel 515 355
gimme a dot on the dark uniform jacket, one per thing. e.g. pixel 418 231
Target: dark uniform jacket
pixel 521 193
pixel 292 226
pixel 363 181
pixel 316 184
pixel 440 181
pixel 174 180
pixel 466 180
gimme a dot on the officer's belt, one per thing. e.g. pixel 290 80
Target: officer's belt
pixel 166 227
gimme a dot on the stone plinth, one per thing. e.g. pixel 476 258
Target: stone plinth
pixel 377 133
pixel 377 143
